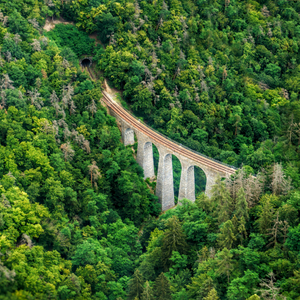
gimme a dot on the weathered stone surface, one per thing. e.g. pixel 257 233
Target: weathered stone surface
pixel 187 183
pixel 128 136
pixel 164 183
pixel 145 158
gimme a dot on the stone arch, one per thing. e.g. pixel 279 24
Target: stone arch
pixel 189 181
pixel 177 170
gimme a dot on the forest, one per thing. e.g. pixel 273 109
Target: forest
pixel 77 219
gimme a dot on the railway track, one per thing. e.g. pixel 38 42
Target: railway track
pixel 164 141
pixel 88 70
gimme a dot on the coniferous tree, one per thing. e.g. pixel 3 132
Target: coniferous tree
pixel 227 237
pixel 135 286
pixel 222 201
pixel 241 207
pixel 147 293
pixel 162 288
pixel 225 263
pixel 266 217
pixel 174 240
pixel 212 295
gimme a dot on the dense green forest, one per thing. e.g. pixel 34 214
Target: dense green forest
pixel 77 220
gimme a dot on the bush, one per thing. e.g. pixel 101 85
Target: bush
pixel 66 35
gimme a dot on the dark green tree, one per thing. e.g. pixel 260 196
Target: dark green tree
pixel 162 288
pixel 135 286
pixel 174 240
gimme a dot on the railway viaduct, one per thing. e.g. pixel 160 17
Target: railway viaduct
pixel 166 148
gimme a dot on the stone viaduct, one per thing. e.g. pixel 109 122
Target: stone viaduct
pixel 166 148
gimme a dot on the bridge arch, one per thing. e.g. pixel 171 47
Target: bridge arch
pixel 166 148
pixel 193 181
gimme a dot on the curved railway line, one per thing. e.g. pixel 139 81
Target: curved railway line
pixel 164 141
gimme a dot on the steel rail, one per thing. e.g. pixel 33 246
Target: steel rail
pixel 158 137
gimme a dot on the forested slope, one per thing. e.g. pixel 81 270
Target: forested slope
pixel 77 220
pixel 71 193
pixel 218 76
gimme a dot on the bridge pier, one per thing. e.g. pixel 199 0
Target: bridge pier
pixel 127 136
pixel 164 187
pixel 145 157
pixel 187 183
pixel 211 177
pixel 164 183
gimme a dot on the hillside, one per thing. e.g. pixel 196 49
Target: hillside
pixel 77 219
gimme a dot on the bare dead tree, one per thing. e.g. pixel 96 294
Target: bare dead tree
pixel 204 87
pixel 86 146
pixel 252 185
pixel 94 173
pixel 67 133
pixel 6 82
pixel 177 72
pixel 274 232
pixel 269 290
pixel 17 39
pixel 44 40
pixel 4 201
pixel 8 274
pixel 279 183
pixel 68 92
pixel 3 98
pixel 55 128
pixel 265 11
pixel 34 23
pixel 35 98
pixel 67 151
pixel 160 23
pixel 8 56
pixel 72 108
pixel 5 20
pixel 53 97
pixel 38 83
pixel 57 108
pixel 47 128
pixel 36 45
pixel 92 107
pixel 182 21
pixel 62 123
pixel 26 240
pixel 263 86
pixel 269 33
pixel 49 3
pixel 65 64
pixel 185 35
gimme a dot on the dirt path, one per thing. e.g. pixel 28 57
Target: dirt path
pixel 50 24
pixel 112 92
